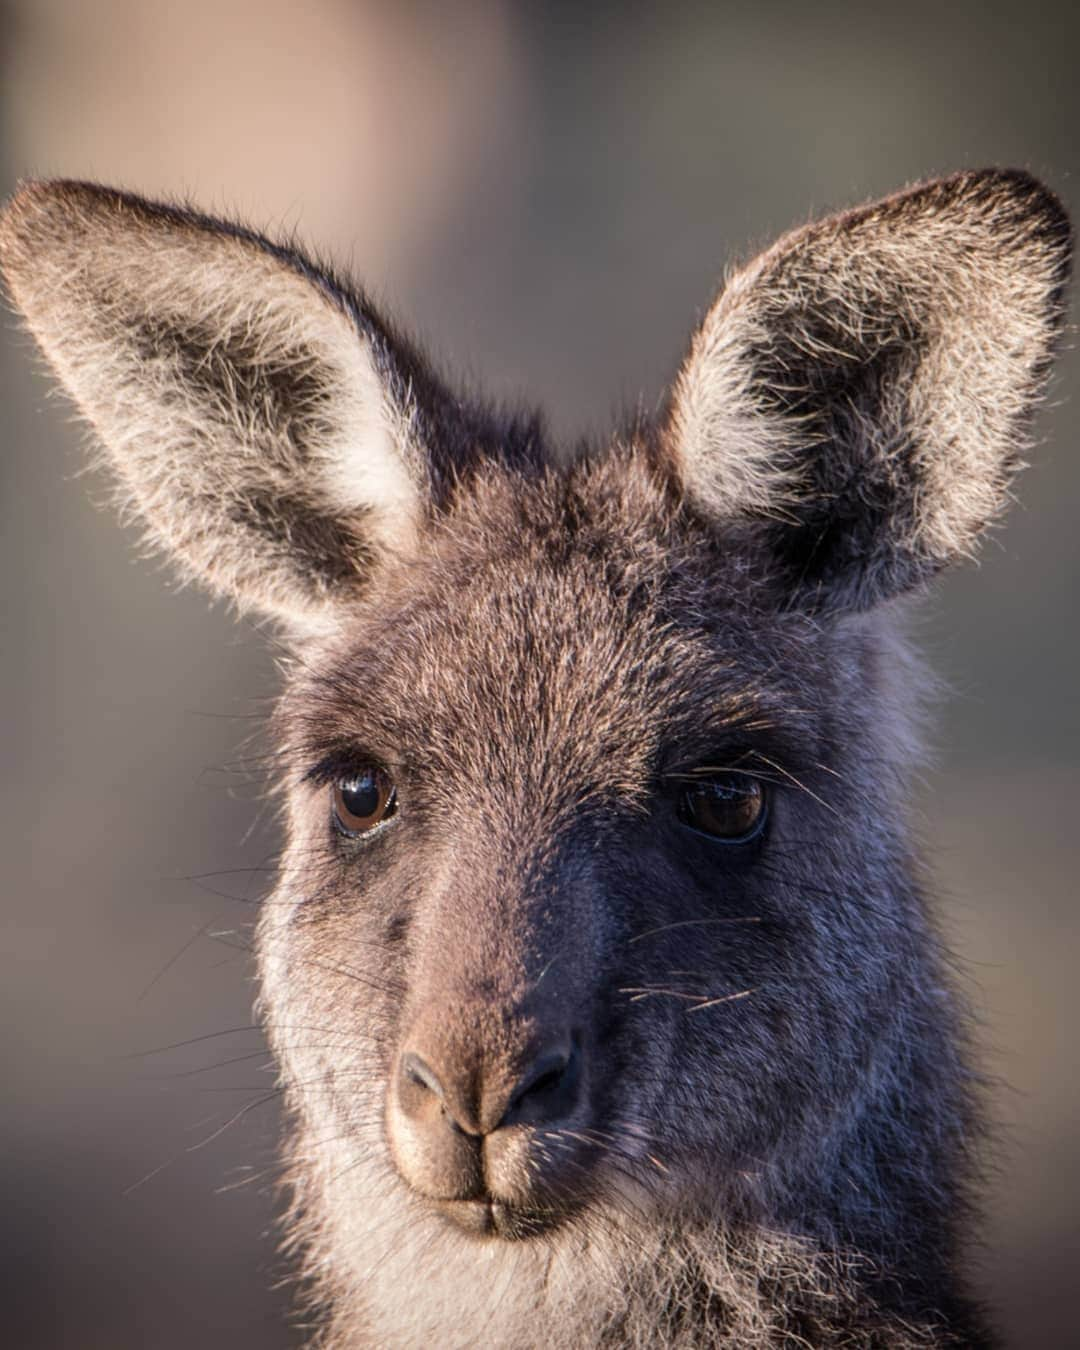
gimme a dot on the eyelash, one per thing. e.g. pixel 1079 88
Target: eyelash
pixel 340 764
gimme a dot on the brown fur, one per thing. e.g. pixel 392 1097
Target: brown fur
pixel 770 1133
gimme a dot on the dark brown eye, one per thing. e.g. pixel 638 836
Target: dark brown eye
pixel 728 806
pixel 363 801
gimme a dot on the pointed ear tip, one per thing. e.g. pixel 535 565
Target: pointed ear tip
pixel 39 205
pixel 1036 199
pixel 38 202
pixel 33 196
pixel 1009 181
pixel 1013 191
pixel 18 218
pixel 20 209
pixel 1051 228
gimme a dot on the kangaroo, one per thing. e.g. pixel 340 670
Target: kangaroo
pixel 608 1006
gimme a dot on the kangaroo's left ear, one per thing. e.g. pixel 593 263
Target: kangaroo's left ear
pixel 858 396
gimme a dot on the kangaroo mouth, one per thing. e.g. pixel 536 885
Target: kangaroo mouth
pixel 491 1218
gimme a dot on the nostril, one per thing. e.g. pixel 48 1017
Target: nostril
pixel 419 1074
pixel 543 1075
pixel 467 1099
pixel 544 1083
pixel 547 1089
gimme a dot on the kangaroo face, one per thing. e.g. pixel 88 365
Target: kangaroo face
pixel 549 882
pixel 598 937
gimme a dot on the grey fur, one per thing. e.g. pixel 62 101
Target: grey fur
pixel 771 1133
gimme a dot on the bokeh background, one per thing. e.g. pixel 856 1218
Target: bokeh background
pixel 548 193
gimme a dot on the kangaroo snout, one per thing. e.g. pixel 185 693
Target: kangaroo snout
pixel 475 1098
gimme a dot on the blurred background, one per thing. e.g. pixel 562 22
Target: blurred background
pixel 548 194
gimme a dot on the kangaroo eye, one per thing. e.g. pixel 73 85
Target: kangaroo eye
pixel 363 801
pixel 730 806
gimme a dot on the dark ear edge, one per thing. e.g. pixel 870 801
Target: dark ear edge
pixel 860 395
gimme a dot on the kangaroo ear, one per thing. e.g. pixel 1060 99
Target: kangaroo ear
pixel 858 396
pixel 262 422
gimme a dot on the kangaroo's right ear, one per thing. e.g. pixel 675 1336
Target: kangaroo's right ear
pixel 262 422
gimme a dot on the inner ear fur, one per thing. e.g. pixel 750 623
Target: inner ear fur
pixel 859 395
pixel 255 413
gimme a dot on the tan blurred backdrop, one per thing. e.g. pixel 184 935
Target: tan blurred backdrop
pixel 547 193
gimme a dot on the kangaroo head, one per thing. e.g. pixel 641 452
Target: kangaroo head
pixel 596 897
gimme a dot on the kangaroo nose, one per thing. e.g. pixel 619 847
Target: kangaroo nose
pixel 433 1094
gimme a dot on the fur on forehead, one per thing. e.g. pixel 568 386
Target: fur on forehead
pixel 580 606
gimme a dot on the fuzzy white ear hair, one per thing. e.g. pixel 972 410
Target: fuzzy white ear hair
pixel 240 395
pixel 861 391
